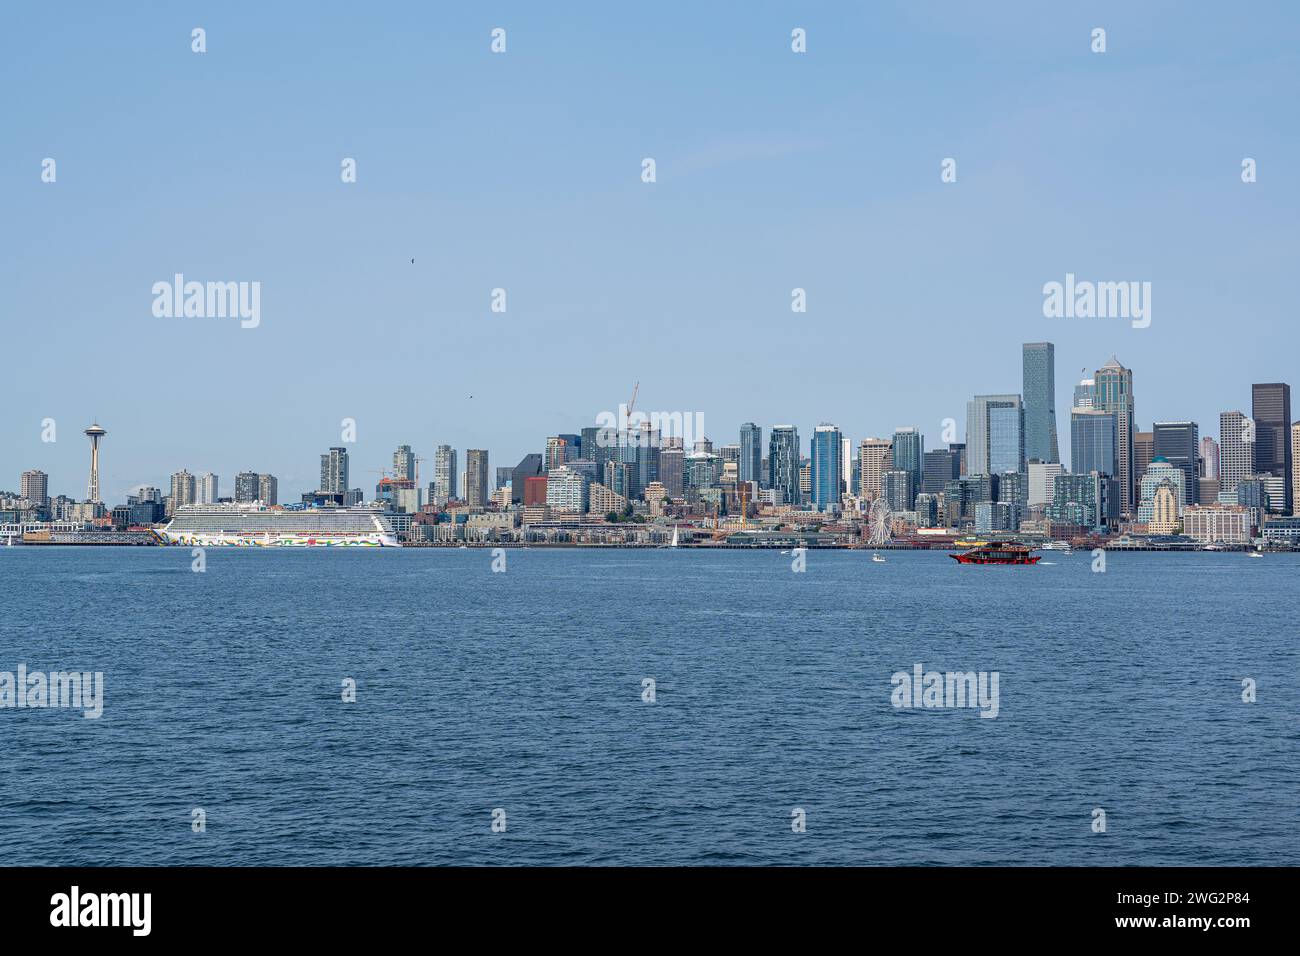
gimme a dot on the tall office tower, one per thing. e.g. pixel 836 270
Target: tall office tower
pixel 1114 393
pixel 1084 392
pixel 875 457
pixel 182 488
pixel 1295 467
pixel 908 454
pixel 1042 481
pixel 827 466
pixel 730 454
pixel 995 434
pixel 35 487
pixel 476 477
pixel 1270 406
pixel 1144 449
pixel 1178 443
pixel 751 452
pixel 1209 457
pixel 1236 451
pixel 897 490
pixel 1038 360
pixel 444 474
pixel 958 448
pixel 334 471
pixel 783 463
pixel 248 486
pixel 504 474
pixel 941 466
pixel 530 466
pixel 268 489
pixel 94 433
pixel 639 449
pixel 805 481
pixel 599 445
pixel 672 470
pixel 1092 441
pixel 404 463
pixel 208 492
pixel 846 467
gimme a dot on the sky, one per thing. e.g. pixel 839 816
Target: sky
pixel 522 171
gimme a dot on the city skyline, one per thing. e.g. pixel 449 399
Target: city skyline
pixel 610 279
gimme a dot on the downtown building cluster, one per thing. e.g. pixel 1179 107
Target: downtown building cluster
pixel 1166 485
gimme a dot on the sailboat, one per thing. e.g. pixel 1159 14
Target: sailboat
pixel 674 544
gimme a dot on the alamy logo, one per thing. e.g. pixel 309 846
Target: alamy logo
pixel 74 689
pixel 923 688
pixel 208 300
pixel 103 909
pixel 637 428
pixel 1098 300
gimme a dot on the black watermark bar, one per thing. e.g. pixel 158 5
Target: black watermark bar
pixel 237 904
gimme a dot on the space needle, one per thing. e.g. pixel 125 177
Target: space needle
pixel 94 433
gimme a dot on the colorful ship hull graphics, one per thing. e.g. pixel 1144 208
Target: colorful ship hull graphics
pixel 997 552
pixel 257 526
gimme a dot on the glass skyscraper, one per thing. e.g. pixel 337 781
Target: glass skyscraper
pixel 908 454
pixel 827 470
pixel 783 462
pixel 995 435
pixel 1179 444
pixel 1271 409
pixel 1113 392
pixel 750 465
pixel 1039 390
pixel 1092 441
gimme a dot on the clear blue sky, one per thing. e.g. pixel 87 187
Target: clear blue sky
pixel 521 170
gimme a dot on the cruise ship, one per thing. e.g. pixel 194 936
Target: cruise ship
pixel 258 526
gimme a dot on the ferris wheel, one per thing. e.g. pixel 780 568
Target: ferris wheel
pixel 881 520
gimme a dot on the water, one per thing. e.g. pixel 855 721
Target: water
pixel 478 690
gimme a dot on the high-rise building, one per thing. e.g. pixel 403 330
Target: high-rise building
pixel 995 434
pixel 898 489
pixel 1084 392
pixel 208 491
pixel 783 463
pixel 1209 457
pixel 1179 443
pixel 908 454
pixel 751 453
pixel 846 466
pixel 1270 406
pixel 1236 451
pixel 1144 449
pixel 248 486
pixel 476 477
pixel 404 463
pixel 1039 389
pixel 827 467
pixel 1114 393
pixel 1092 441
pixel 1161 473
pixel 567 490
pixel 182 488
pixel 1088 501
pixel 334 471
pixel 504 473
pixel 672 469
pixel 941 466
pixel 268 489
pixel 530 466
pixel 1295 467
pixel 444 474
pixel 875 457
pixel 1042 481
pixel 558 451
pixel 35 487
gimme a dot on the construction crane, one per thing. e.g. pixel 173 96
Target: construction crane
pixel 632 401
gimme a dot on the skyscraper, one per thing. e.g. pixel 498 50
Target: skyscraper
pixel 268 489
pixel 874 459
pixel 827 470
pixel 530 466
pixel 1295 466
pixel 941 466
pixel 1092 441
pixel 182 488
pixel 1039 390
pixel 334 471
pixel 1270 406
pixel 1114 393
pixel 404 463
pixel 1236 452
pixel 1178 443
pixel 476 477
pixel 908 454
pixel 444 474
pixel 1084 392
pixel 995 435
pixel 783 463
pixel 248 486
pixel 1144 449
pixel 751 453
pixel 1209 457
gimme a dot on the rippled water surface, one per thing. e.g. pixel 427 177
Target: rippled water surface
pixel 523 691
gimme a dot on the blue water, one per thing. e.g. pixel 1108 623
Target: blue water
pixel 523 691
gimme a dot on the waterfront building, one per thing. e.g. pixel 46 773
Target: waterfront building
pixel 1113 392
pixel 1217 524
pixel 1271 409
pixel 566 490
pixel 995 434
pixel 1178 443
pixel 602 500
pixel 1038 387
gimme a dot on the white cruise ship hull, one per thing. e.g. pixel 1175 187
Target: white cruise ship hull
pixel 234 539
